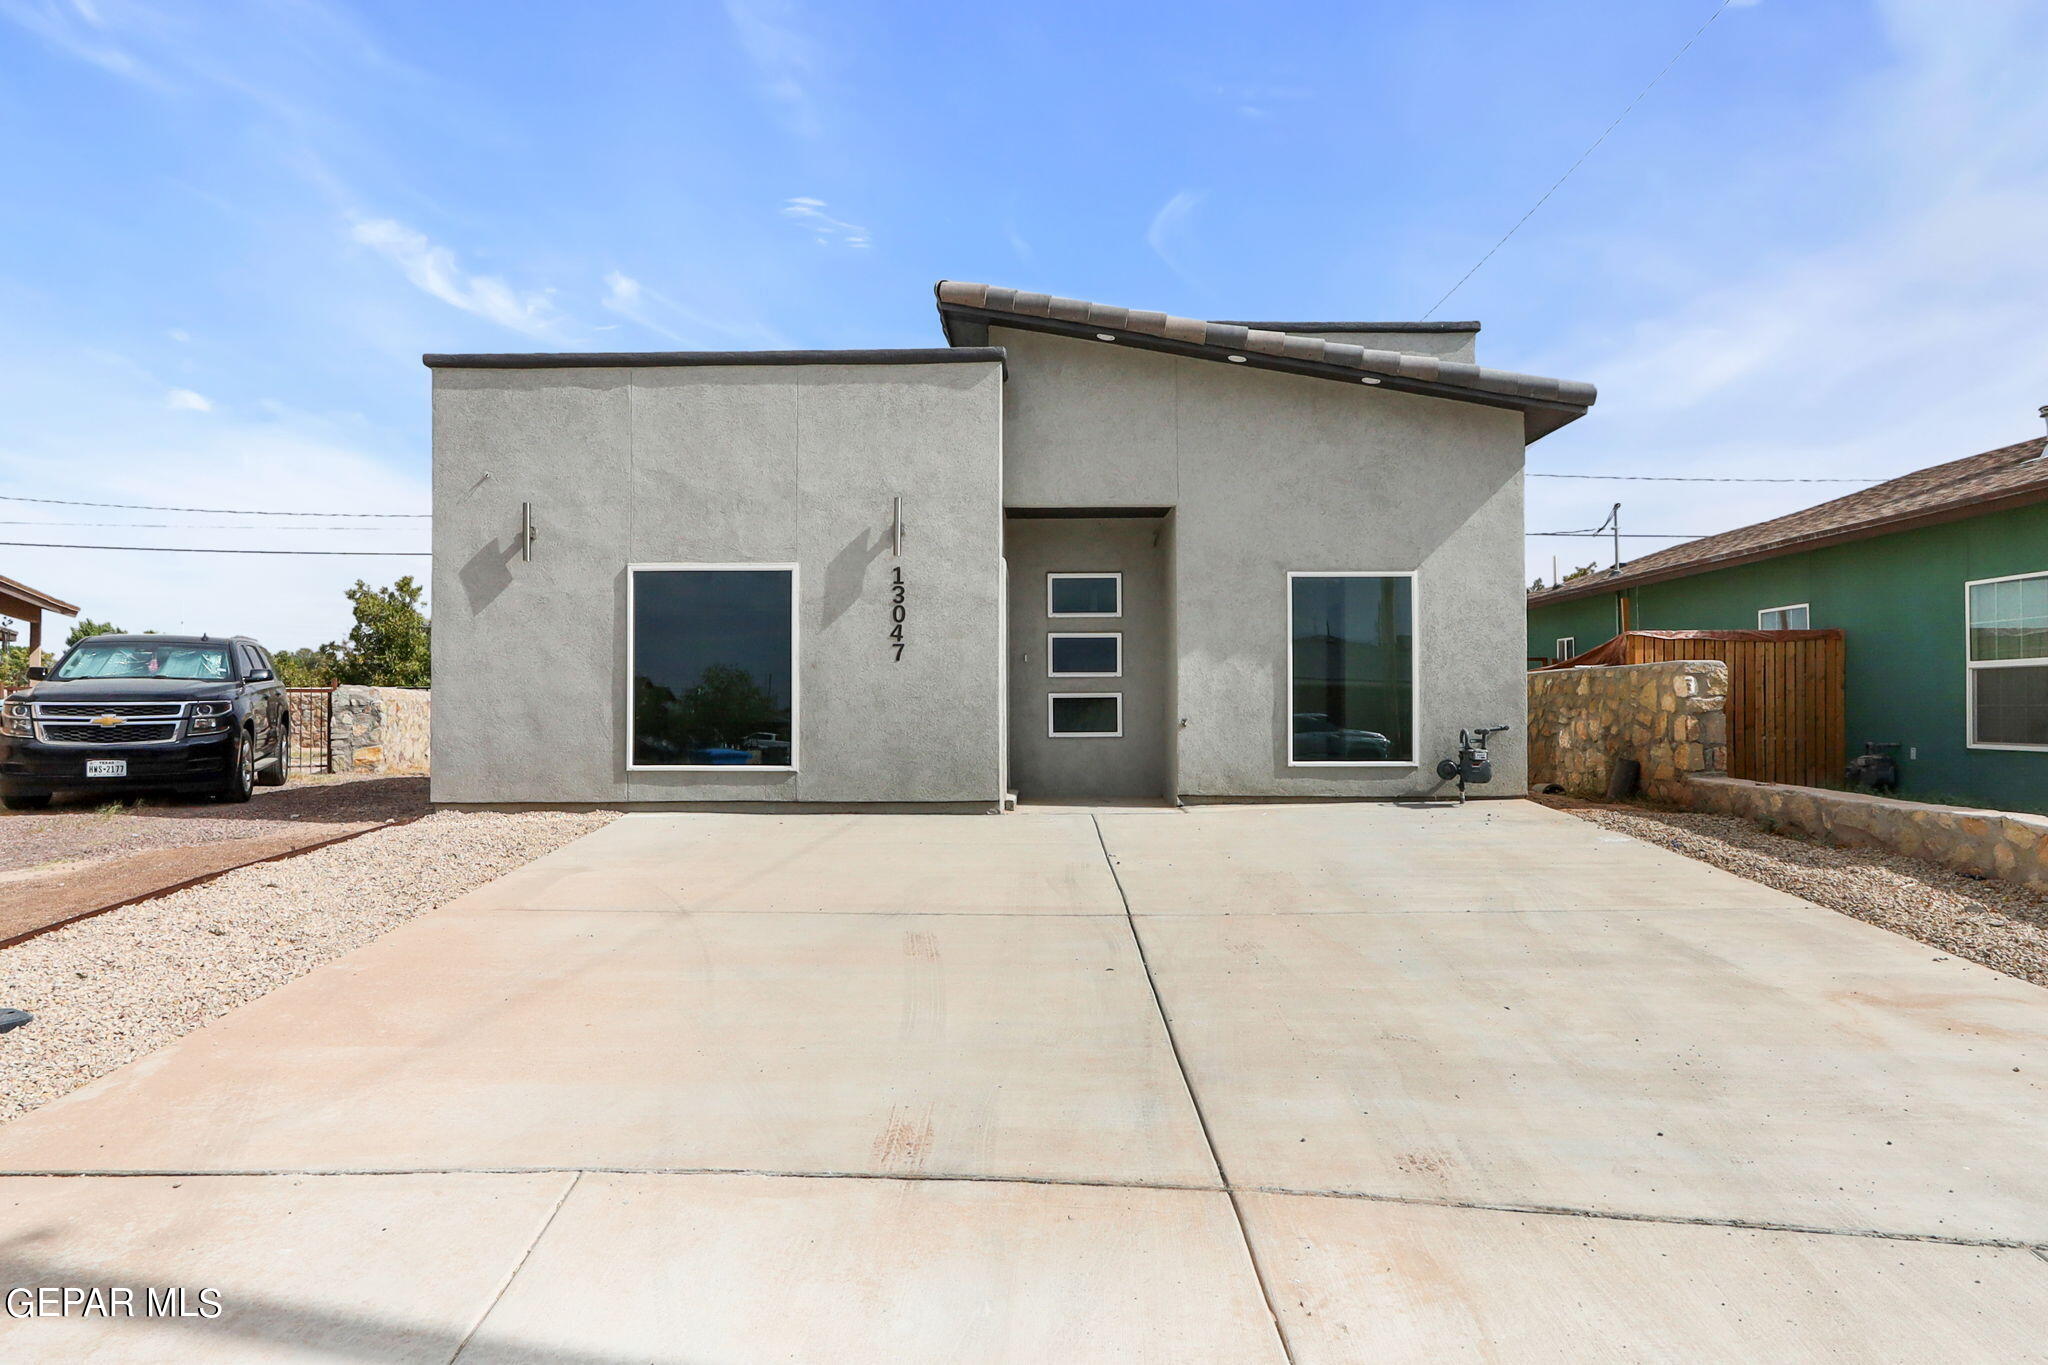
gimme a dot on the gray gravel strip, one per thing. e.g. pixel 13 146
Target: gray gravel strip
pixel 1998 924
pixel 107 990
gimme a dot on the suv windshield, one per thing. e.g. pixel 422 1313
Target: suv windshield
pixel 184 662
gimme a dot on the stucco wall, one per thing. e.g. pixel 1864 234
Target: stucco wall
pixel 1135 763
pixel 1669 717
pixel 718 465
pixel 380 730
pixel 1273 472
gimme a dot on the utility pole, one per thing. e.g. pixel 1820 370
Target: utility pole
pixel 1615 517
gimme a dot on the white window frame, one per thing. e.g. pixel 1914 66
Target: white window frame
pixel 1564 647
pixel 1806 607
pixel 1971 666
pixel 1052 733
pixel 795 669
pixel 1115 635
pixel 1415 662
pixel 1076 615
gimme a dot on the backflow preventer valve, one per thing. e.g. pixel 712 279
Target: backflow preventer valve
pixel 1472 764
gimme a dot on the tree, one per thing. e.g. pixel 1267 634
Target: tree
pixel 389 644
pixel 85 628
pixel 1582 571
pixel 307 667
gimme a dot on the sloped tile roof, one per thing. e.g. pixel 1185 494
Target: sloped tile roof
pixel 1226 339
pixel 2008 476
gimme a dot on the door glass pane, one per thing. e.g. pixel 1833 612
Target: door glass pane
pixel 1354 669
pixel 2012 705
pixel 1092 715
pixel 713 663
pixel 1086 654
pixel 1084 595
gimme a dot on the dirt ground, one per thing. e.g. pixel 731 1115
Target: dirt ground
pixel 76 831
pixel 1998 924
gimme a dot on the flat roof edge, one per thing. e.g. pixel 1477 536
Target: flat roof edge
pixel 611 360
pixel 1350 326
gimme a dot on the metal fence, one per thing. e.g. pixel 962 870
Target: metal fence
pixel 312 721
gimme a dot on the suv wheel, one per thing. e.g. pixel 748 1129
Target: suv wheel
pixel 241 781
pixel 276 774
pixel 25 800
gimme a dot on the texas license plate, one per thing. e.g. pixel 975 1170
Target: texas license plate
pixel 106 767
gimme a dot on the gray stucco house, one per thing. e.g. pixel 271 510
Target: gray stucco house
pixel 1078 552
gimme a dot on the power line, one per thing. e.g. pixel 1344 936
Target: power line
pixel 213 550
pixel 1695 478
pixel 1625 535
pixel 193 526
pixel 1581 161
pixel 223 511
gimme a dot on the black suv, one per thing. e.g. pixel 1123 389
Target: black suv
pixel 125 712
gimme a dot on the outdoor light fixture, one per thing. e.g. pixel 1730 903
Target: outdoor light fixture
pixel 1237 360
pixel 1368 380
pixel 1104 336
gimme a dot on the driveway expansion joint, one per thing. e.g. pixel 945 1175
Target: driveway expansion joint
pixel 1068 1182
pixel 1201 1119
pixel 517 1266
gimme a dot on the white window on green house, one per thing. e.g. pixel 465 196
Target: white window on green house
pixel 1567 647
pixel 1783 618
pixel 2008 654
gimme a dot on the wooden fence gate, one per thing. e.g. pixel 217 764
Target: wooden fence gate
pixel 312 722
pixel 1785 695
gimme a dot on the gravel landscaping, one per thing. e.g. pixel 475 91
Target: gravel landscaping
pixel 1998 924
pixel 107 990
pixel 69 831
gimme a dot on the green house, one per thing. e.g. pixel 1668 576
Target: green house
pixel 1939 580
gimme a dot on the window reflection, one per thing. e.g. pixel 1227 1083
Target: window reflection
pixel 713 668
pixel 1353 669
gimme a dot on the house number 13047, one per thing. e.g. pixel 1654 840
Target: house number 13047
pixel 896 614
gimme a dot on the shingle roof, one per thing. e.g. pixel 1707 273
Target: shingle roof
pixel 1560 400
pixel 23 593
pixel 2010 476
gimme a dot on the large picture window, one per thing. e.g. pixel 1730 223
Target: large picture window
pixel 712 654
pixel 1351 668
pixel 2008 661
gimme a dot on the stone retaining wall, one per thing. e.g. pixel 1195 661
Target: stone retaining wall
pixel 380 730
pixel 1669 717
pixel 1987 843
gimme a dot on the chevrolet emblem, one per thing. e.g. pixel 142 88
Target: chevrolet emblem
pixel 106 720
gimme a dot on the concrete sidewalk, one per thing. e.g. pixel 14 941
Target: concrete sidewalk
pixel 1308 1083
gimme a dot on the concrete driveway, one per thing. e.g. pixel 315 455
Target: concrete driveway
pixel 1308 1083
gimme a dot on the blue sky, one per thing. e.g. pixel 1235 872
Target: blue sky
pixel 231 228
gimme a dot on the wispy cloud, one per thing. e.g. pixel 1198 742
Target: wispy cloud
pixel 811 215
pixel 435 270
pixel 1817 362
pixel 784 57
pixel 1018 244
pixel 625 296
pixel 185 400
pixel 1168 233
pixel 79 28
